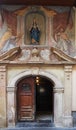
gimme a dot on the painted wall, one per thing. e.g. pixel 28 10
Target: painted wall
pixel 55 24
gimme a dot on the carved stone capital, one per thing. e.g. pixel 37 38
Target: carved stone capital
pixel 10 89
pixel 3 76
pixel 58 90
pixel 2 68
pixel 68 69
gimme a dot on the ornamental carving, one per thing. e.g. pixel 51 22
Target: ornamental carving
pixel 36 54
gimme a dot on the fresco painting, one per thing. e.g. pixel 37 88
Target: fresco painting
pixel 63 32
pixel 15 23
pixel 8 37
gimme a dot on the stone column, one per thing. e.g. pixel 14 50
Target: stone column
pixel 58 106
pixel 11 107
pixel 67 119
pixel 3 96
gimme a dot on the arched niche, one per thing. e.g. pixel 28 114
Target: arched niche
pixel 41 22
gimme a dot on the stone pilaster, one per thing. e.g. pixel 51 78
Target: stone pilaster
pixel 67 119
pixel 2 96
pixel 58 106
pixel 11 113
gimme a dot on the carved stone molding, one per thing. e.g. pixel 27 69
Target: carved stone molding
pixel 68 68
pixel 58 90
pixel 2 76
pixel 10 89
pixel 68 71
pixel 39 54
pixel 2 68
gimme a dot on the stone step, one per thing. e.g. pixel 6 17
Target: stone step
pixel 34 124
pixel 38 128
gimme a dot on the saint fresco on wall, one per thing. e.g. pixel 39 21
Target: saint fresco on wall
pixel 63 30
pixel 8 39
pixel 50 26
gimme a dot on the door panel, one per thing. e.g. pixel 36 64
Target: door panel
pixel 25 99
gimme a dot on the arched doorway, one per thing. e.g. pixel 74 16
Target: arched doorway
pixel 35 99
pixel 12 98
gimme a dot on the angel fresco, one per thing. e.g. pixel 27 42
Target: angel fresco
pixel 63 41
pixel 7 40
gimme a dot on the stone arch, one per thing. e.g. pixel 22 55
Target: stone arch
pixel 35 71
pixel 57 89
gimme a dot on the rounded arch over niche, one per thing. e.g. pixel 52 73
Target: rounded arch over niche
pixel 41 24
pixel 54 79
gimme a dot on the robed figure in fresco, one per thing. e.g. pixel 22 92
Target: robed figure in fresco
pixel 7 40
pixel 35 33
pixel 63 42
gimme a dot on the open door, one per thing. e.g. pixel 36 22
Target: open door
pixel 44 100
pixel 25 99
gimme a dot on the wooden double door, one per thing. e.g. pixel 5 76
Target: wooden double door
pixel 33 98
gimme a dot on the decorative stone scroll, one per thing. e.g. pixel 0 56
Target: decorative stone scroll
pixel 58 90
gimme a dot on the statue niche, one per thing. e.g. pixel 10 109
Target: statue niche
pixel 35 33
pixel 35 29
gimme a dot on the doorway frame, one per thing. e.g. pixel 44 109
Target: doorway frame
pixel 51 85
pixel 58 90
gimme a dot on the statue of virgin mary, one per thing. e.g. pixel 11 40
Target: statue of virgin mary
pixel 35 33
